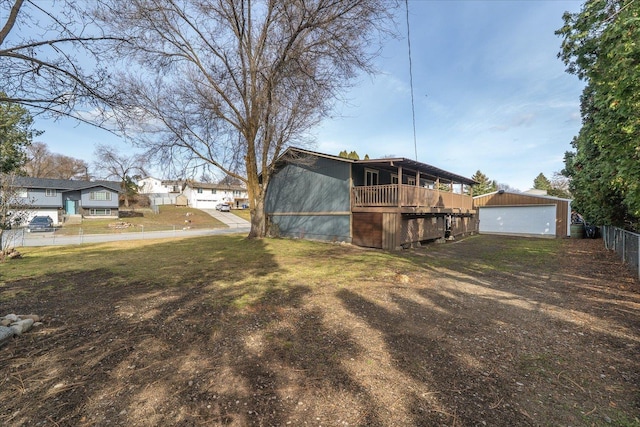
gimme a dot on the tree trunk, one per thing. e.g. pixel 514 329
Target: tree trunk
pixel 258 220
pixel 256 194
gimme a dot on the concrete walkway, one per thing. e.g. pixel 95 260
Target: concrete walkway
pixel 231 220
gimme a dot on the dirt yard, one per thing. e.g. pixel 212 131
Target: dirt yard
pixel 468 336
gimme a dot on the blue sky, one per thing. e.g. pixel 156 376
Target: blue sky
pixel 490 95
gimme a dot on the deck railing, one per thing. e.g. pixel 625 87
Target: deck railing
pixel 409 196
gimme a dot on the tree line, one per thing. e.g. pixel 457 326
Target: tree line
pixel 600 46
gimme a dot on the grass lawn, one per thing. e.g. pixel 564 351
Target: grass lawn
pixel 169 217
pixel 242 213
pixel 223 330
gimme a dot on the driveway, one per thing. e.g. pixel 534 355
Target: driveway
pixel 231 220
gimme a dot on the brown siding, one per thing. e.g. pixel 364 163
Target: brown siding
pixel 390 228
pixel 516 199
pixel 464 225
pixel 418 229
pixel 367 229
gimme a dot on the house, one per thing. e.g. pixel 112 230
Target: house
pixel 59 198
pixel 151 185
pixel 203 195
pixel 523 214
pixel 380 203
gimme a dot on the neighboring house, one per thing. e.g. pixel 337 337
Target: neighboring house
pixel 523 214
pixel 58 198
pixel 202 195
pixel 151 185
pixel 380 203
pixel 161 192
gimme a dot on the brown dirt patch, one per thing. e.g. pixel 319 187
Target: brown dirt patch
pixel 453 341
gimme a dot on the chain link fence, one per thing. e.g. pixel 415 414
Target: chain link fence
pixel 625 243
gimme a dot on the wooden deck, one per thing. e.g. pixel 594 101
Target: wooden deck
pixel 408 199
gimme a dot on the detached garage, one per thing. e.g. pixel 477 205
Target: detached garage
pixel 523 214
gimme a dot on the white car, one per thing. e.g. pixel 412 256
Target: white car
pixel 225 208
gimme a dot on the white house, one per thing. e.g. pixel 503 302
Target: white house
pixel 202 195
pixel 151 185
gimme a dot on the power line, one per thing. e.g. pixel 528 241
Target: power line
pixel 413 107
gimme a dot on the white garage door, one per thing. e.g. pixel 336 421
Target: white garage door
pixel 537 220
pixel 53 213
pixel 205 204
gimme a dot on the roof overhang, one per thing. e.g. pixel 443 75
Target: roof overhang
pixel 418 167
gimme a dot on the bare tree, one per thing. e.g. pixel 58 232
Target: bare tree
pixel 14 203
pixel 125 168
pixel 233 83
pixel 42 163
pixel 51 55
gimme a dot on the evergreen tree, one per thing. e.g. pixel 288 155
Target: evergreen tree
pixel 600 45
pixel 541 182
pixel 16 134
pixel 484 184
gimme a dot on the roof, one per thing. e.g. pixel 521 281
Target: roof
pixel 212 186
pixel 537 196
pixel 64 184
pixel 391 163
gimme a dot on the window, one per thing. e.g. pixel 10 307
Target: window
pixel 370 177
pixel 100 212
pixel 213 191
pixel 199 190
pixel 50 192
pixel 100 195
pixel 22 192
pixel 411 181
pixel 394 178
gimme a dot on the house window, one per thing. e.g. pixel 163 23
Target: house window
pixel 370 177
pixel 49 192
pixel 411 181
pixel 100 195
pixel 394 178
pixel 22 192
pixel 213 191
pixel 100 212
pixel 199 190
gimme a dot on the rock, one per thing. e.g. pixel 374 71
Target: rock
pixel 5 334
pixel 21 326
pixel 5 322
pixel 33 317
pixel 12 317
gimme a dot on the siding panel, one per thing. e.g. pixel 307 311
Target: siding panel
pixel 367 229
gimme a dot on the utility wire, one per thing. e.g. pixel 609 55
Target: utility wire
pixel 413 107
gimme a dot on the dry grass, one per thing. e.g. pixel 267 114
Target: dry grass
pixel 226 331
pixel 169 218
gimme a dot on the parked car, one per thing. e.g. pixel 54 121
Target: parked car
pixel 225 208
pixel 40 223
pixel 218 206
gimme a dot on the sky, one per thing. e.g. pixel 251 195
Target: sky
pixel 490 94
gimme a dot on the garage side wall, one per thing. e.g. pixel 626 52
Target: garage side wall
pixel 518 199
